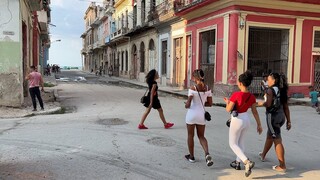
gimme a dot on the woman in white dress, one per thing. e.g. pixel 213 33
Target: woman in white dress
pixel 195 115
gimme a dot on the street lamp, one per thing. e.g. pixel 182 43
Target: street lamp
pixel 58 40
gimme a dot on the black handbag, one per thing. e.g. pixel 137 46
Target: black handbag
pixel 207 115
pixel 144 98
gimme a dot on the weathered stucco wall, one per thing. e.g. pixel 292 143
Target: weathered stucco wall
pixel 11 79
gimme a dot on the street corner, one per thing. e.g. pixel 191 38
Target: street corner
pixel 11 112
pixel 49 108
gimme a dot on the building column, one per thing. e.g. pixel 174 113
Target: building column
pixel 226 19
pixel 297 52
pixel 241 43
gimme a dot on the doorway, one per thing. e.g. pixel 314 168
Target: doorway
pixel 316 73
pixel 134 60
pixel 268 51
pixel 177 58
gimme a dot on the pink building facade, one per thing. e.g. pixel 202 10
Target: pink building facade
pixel 226 38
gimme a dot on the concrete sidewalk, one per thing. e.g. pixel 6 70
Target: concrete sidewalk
pixel 49 97
pixel 217 100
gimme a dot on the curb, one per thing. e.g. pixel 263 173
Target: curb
pixel 50 111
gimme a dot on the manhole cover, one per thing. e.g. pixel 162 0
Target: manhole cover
pixel 161 141
pixel 112 121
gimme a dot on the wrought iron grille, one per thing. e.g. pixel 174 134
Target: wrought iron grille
pixel 317 74
pixel 267 52
pixel 208 70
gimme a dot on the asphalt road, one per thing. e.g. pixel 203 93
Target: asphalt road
pixel 97 138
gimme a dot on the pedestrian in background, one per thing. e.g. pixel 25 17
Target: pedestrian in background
pixel 264 83
pixel 110 71
pixel 195 115
pixel 153 100
pixel 314 98
pixel 276 117
pixel 240 122
pixel 35 80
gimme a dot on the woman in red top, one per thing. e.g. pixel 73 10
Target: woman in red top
pixel 240 122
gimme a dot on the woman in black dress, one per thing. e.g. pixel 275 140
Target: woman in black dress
pixel 153 100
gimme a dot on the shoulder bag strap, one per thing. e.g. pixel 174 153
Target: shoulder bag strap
pixel 200 98
pixel 146 92
pixel 245 102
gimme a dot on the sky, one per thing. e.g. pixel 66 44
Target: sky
pixel 67 16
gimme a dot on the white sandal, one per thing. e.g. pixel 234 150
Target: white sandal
pixel 260 157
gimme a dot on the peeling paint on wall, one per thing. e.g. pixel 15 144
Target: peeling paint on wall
pixel 10 90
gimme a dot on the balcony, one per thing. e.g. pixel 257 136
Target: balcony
pixel 96 22
pixel 96 45
pixel 180 5
pixel 90 47
pixel 165 10
pixel 109 10
pixel 43 21
pixel 35 5
pixel 84 51
pixel 119 32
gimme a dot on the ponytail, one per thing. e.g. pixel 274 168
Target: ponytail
pixel 283 86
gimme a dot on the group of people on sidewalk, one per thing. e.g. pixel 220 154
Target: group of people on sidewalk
pixel 200 95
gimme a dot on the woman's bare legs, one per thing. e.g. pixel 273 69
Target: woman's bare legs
pixel 190 130
pixel 202 139
pixel 280 152
pixel 160 110
pixel 145 115
pixel 267 145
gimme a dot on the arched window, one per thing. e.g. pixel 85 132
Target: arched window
pixel 142 57
pixel 127 62
pixel 122 60
pixel 151 54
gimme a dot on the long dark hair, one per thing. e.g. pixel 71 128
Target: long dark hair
pixel 246 78
pixel 282 84
pixel 150 76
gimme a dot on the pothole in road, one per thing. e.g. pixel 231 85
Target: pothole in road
pixel 161 141
pixel 112 121
pixel 67 109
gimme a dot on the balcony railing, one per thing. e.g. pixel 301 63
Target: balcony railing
pixel 180 5
pixel 165 10
pixel 119 32
pixel 96 45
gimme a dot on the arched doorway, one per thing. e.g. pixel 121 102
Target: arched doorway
pixel 151 54
pixel 133 71
pixel 142 57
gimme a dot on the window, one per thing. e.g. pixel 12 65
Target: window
pixel 127 22
pixel 268 50
pixel 207 46
pixel 135 16
pixel 316 39
pixel 142 57
pixel 164 48
pixel 143 11
pixel 122 61
pixel 122 21
pixel 127 66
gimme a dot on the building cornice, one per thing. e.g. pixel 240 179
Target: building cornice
pixel 279 5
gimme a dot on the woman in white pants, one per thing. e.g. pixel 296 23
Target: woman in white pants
pixel 238 104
